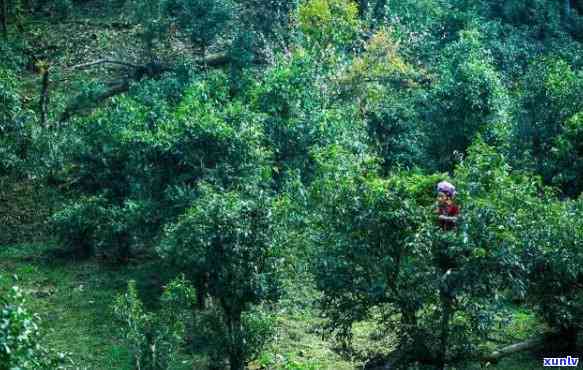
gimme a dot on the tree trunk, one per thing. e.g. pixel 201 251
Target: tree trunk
pixel 78 104
pixel 514 348
pixel 201 285
pixel 235 332
pixel 569 336
pixel 83 248
pixel 124 248
pixel 4 21
pixel 204 65
pixel 567 6
pixel 444 335
pixel 44 96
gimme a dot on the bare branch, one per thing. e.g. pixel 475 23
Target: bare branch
pixel 514 348
pixel 104 61
pixel 79 104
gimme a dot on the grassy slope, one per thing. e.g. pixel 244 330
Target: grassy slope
pixel 74 300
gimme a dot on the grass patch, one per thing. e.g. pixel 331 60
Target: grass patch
pixel 74 298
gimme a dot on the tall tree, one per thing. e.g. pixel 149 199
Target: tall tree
pixel 227 237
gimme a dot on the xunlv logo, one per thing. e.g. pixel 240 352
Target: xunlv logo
pixel 561 361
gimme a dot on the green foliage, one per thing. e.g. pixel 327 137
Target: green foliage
pixel 92 225
pixel 77 225
pixel 299 115
pixel 203 20
pixel 154 339
pixel 568 151
pixel 14 124
pixel 10 106
pixel 224 242
pixel 552 253
pixel 469 98
pixel 150 16
pixel 394 132
pixel 234 229
pixel 542 15
pixel 378 251
pixel 327 23
pixel 542 234
pixel 272 21
pixel 144 157
pixel 539 125
pixel 20 337
pixel 63 8
pixel 210 334
pixel 320 144
pixel 362 231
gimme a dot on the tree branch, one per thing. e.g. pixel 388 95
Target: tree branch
pixel 44 95
pixel 514 348
pixel 221 59
pixel 216 60
pixel 116 25
pixel 103 61
pixel 82 102
pixel 79 104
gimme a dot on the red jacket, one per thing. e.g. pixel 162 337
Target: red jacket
pixel 450 210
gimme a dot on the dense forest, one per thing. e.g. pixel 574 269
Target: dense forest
pixel 291 184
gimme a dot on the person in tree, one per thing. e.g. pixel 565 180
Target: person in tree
pixel 447 210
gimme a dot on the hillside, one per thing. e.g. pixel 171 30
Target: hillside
pixel 300 185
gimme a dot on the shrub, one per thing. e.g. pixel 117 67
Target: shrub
pixel 568 152
pixel 203 21
pixel 154 338
pixel 298 118
pixel 20 337
pixel 224 243
pixel 329 22
pixel 378 250
pixel 136 166
pixel 14 134
pixel 551 252
pixel 211 334
pixel 77 225
pixel 468 99
pixel 539 125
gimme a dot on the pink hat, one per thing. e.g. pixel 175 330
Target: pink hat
pixel 447 188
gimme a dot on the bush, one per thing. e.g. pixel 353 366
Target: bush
pixel 154 338
pixel 92 225
pixel 20 337
pixel 379 250
pixel 551 252
pixel 63 8
pixel 14 134
pixel 297 116
pixel 568 152
pixel 538 126
pixel 224 243
pixel 329 22
pixel 136 166
pixel 203 21
pixel 211 334
pixel 468 99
